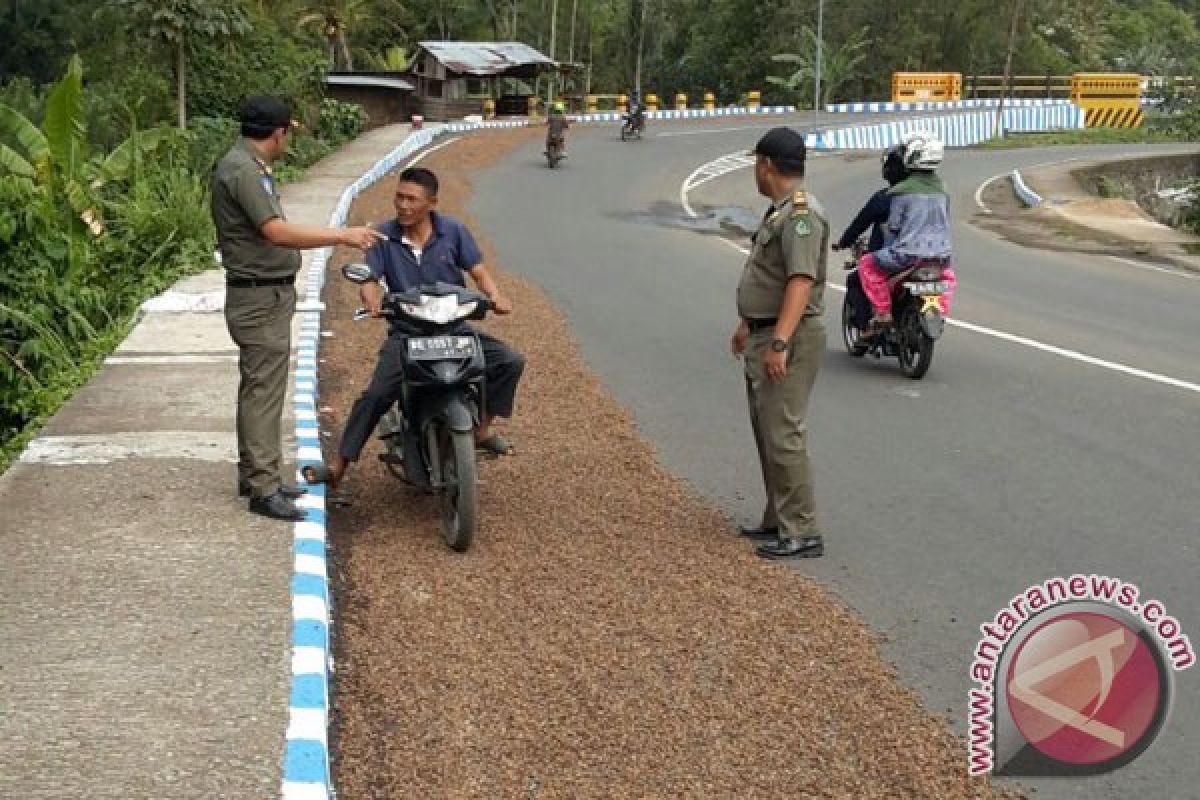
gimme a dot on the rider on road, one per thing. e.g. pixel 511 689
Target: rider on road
pixel 874 215
pixel 423 247
pixel 556 128
pixel 917 231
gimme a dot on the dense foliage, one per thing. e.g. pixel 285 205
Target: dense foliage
pixel 103 201
pixel 689 45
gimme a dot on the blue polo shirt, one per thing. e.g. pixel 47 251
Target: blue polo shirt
pixel 449 253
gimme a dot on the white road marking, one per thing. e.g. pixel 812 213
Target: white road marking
pixel 1013 338
pixel 711 171
pixel 105 448
pixel 1191 276
pixel 417 158
pixel 1073 355
pixel 983 188
pixel 716 130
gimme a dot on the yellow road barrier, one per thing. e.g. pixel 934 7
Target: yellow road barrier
pixel 1108 99
pixel 909 87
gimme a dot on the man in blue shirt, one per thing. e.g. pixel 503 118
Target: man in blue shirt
pixel 423 247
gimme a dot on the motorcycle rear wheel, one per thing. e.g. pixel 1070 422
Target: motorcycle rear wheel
pixel 914 345
pixel 460 492
pixel 851 335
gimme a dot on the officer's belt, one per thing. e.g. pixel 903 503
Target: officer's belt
pixel 759 324
pixel 254 283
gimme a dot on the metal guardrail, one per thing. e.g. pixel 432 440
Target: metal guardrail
pixel 977 86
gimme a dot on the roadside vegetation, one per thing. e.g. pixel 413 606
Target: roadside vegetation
pixel 104 198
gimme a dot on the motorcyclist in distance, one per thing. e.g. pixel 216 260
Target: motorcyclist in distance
pixel 556 128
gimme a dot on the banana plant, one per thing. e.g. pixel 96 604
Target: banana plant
pixel 393 59
pixel 55 156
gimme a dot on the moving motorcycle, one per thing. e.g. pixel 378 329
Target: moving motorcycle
pixel 432 446
pixel 917 309
pixel 632 126
pixel 554 152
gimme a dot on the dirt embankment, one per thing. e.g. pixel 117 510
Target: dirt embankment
pixel 1141 181
pixel 607 636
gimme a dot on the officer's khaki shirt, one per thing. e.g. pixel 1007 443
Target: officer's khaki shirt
pixel 244 196
pixel 793 239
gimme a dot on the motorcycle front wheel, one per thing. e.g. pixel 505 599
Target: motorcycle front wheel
pixel 914 345
pixel 624 133
pixel 460 492
pixel 391 430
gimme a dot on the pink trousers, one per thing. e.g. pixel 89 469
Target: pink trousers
pixel 875 285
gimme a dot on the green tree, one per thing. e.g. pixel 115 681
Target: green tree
pixel 334 19
pixel 393 59
pixel 838 65
pixel 176 22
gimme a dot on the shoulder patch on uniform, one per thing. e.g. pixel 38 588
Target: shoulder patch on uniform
pixel 800 204
pixel 801 224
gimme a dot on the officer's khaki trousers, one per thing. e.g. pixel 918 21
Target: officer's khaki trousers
pixel 260 322
pixel 777 414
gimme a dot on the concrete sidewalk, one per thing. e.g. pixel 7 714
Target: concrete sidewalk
pixel 147 616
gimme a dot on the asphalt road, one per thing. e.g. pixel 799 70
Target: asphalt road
pixel 940 499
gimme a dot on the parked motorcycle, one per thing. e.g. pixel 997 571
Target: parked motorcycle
pixel 917 310
pixel 429 435
pixel 632 126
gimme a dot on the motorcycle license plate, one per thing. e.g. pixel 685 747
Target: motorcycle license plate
pixel 928 287
pixel 440 348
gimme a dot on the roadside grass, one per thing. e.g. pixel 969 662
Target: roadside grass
pixel 1083 136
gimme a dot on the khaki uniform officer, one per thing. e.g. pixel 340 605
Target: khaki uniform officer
pixel 780 300
pixel 260 253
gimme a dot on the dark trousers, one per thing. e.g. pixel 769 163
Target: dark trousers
pixel 260 322
pixel 502 372
pixel 859 304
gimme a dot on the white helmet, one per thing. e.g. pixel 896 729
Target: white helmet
pixel 923 151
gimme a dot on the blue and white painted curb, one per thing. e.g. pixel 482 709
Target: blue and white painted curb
pixel 956 130
pixel 691 113
pixel 944 105
pixel 615 116
pixel 306 774
pixel 1026 195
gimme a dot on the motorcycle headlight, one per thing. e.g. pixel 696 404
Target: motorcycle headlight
pixel 927 274
pixel 440 310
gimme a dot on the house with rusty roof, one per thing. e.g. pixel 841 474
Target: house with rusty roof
pixel 452 79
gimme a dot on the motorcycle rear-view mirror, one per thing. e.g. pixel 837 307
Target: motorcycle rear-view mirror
pixel 358 273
